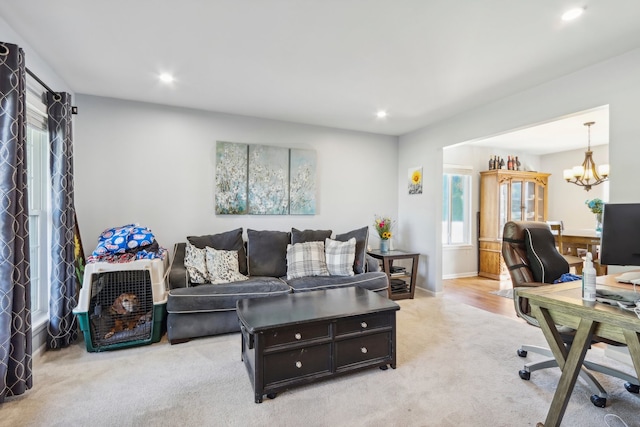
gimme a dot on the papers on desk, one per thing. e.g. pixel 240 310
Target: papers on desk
pixel 629 277
pixel 619 297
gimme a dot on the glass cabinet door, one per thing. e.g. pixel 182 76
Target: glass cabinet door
pixel 516 201
pixel 503 207
pixel 540 199
pixel 529 201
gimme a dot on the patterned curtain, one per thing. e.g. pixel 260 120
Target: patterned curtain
pixel 62 329
pixel 15 285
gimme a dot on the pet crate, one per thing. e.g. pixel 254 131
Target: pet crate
pixel 122 304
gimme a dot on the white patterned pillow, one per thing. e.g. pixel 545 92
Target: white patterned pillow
pixel 340 256
pixel 223 266
pixel 306 259
pixel 194 261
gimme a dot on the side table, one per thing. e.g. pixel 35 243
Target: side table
pixel 402 283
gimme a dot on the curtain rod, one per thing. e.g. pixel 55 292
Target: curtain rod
pixel 74 110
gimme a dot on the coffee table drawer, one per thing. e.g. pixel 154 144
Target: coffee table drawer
pixel 368 347
pixel 297 363
pixel 363 323
pixel 296 334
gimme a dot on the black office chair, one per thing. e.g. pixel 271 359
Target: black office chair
pixel 532 259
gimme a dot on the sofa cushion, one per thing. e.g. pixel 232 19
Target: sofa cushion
pixel 546 263
pixel 361 235
pixel 306 259
pixel 303 236
pixel 267 252
pixel 340 256
pixel 195 263
pixel 374 281
pixel 228 241
pixel 222 266
pixel 210 298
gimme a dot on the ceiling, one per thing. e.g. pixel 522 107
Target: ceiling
pixel 331 62
pixel 564 134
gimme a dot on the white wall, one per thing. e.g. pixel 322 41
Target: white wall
pixel 615 82
pixel 155 165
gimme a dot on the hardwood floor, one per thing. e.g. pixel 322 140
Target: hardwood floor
pixel 475 291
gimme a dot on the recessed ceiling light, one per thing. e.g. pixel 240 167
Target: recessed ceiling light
pixel 381 114
pixel 166 78
pixel 572 14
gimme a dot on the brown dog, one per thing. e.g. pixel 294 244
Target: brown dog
pixel 125 311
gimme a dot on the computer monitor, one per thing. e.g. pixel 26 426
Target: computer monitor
pixel 620 241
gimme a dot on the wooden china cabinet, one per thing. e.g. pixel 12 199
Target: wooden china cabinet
pixel 506 195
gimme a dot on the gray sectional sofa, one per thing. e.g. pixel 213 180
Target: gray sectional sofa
pixel 196 310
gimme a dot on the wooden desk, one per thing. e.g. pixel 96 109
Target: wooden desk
pixel 562 305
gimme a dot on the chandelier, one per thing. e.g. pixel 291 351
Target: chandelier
pixel 587 175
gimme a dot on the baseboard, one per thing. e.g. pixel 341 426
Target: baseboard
pixel 459 275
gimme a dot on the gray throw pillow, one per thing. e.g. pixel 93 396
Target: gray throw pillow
pixel 304 236
pixel 362 236
pixel 546 263
pixel 267 252
pixel 228 241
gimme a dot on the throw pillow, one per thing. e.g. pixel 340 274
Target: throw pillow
pixel 361 235
pixel 223 266
pixel 228 241
pixel 340 256
pixel 306 259
pixel 195 263
pixel 546 263
pixel 303 236
pixel 267 252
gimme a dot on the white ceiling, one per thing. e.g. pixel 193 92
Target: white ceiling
pixel 322 62
pixel 564 134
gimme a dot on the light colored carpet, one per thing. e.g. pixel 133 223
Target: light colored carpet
pixel 457 366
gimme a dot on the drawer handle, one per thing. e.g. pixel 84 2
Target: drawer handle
pixel 298 335
pixel 364 324
pixel 298 364
pixel 363 349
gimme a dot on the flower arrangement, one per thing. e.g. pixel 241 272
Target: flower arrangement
pixel 595 205
pixel 383 226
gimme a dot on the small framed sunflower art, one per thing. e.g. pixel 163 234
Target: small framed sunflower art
pixel 415 180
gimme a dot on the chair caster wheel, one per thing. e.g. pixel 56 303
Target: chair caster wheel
pixel 632 388
pixel 272 395
pixel 598 401
pixel 524 374
pixel 522 353
pixel 384 367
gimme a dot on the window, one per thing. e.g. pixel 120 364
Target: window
pixel 456 206
pixel 37 173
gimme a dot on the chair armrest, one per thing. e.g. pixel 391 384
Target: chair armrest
pixel 372 264
pixel 519 302
pixel 178 276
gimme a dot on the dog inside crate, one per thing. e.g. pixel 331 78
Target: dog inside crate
pixel 121 307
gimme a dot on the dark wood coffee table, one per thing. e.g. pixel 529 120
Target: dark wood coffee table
pixel 301 338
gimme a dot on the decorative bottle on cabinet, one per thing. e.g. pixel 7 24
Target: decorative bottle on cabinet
pixel 506 196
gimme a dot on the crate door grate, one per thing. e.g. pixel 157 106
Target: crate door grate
pixel 109 326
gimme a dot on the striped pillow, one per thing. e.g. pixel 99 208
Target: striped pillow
pixel 340 256
pixel 306 259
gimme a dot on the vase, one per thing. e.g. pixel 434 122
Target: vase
pixel 384 245
pixel 599 222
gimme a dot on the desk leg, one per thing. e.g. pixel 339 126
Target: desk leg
pixel 570 366
pixel 633 343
